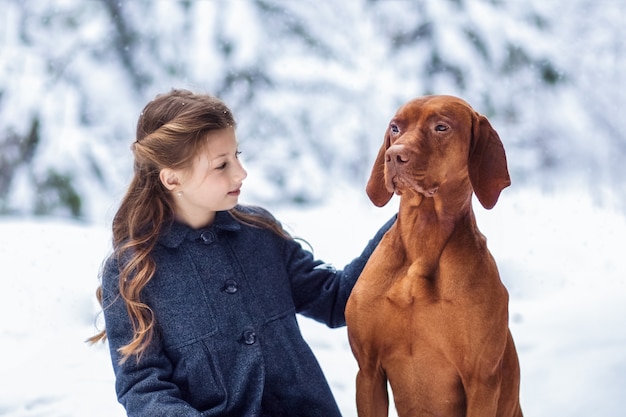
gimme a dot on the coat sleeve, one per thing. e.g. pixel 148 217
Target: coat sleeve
pixel 144 387
pixel 321 292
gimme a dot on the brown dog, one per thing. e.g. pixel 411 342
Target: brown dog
pixel 429 313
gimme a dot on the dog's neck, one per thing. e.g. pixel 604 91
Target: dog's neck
pixel 433 221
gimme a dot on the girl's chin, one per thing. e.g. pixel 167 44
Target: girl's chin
pixel 232 203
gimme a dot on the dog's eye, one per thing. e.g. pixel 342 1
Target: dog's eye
pixel 441 128
pixel 393 128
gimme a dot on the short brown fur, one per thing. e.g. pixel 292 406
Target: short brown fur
pixel 429 313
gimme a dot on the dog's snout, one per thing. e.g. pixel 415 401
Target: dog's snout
pixel 397 154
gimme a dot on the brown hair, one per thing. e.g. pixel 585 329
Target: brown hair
pixel 171 130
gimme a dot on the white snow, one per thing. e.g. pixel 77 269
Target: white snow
pixel 560 256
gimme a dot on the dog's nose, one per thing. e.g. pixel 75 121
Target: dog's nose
pixel 397 154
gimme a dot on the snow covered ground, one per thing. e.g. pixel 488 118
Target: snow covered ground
pixel 561 258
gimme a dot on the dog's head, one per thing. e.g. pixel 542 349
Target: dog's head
pixel 435 141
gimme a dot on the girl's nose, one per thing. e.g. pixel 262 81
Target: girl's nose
pixel 242 173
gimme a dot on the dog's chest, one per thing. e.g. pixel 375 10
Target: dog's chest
pixel 391 278
pixel 410 291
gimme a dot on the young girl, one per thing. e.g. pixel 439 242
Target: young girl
pixel 200 294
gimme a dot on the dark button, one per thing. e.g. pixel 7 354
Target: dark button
pixel 230 286
pixel 207 237
pixel 249 337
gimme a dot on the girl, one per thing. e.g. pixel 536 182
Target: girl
pixel 200 294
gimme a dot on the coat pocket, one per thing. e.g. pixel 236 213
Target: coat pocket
pixel 197 375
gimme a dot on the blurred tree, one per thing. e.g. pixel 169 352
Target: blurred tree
pixel 15 150
pixel 497 55
pixel 313 85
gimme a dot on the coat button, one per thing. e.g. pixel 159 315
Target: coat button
pixel 230 286
pixel 207 237
pixel 249 337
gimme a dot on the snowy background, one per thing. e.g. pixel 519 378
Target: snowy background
pixel 561 258
pixel 313 85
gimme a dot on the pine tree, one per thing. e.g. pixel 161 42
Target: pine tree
pixel 313 85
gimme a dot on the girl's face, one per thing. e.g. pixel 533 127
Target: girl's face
pixel 213 183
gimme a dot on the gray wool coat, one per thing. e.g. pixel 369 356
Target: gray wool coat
pixel 227 343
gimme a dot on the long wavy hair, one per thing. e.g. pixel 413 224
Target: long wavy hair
pixel 171 130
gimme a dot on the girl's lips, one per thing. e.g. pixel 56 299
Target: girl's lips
pixel 235 192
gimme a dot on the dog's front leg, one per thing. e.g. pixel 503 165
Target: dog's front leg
pixel 483 394
pixel 372 398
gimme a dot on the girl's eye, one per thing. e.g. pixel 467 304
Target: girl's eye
pixel 222 166
pixel 237 154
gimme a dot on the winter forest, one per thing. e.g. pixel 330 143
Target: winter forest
pixel 313 85
pixel 302 78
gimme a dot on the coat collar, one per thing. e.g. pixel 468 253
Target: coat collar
pixel 174 235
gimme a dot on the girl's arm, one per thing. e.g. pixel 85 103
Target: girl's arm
pixel 320 292
pixel 144 388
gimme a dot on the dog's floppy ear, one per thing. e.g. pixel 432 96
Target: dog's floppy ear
pixel 376 189
pixel 487 166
